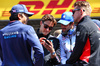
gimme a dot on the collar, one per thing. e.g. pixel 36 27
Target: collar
pixel 14 22
pixel 41 34
pixel 83 19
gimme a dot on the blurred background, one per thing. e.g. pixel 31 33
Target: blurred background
pixel 42 7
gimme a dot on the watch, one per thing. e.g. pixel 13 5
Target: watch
pixel 53 53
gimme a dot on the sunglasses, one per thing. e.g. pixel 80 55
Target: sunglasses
pixel 46 26
pixel 76 10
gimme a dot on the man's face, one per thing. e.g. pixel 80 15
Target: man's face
pixel 25 18
pixel 66 27
pixel 76 14
pixel 46 27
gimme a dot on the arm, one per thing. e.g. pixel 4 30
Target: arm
pixel 56 60
pixel 1 49
pixel 1 56
pixel 52 57
pixel 35 43
pixel 81 38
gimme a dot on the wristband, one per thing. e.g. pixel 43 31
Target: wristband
pixel 53 53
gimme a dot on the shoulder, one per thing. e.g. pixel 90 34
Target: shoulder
pixel 54 39
pixel 59 36
pixel 26 27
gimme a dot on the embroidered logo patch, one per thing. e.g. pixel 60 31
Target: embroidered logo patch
pixel 78 33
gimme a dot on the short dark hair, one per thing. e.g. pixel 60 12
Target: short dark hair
pixel 49 17
pixel 14 16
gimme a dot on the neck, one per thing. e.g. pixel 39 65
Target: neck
pixel 20 20
pixel 12 21
pixel 82 17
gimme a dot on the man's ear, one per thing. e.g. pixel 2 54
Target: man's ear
pixel 40 22
pixel 81 12
pixel 72 25
pixel 19 16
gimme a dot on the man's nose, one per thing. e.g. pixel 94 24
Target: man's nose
pixel 47 29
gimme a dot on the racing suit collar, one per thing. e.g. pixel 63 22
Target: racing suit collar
pixel 82 19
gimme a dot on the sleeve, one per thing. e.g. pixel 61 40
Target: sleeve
pixel 1 56
pixel 56 60
pixel 81 38
pixel 35 43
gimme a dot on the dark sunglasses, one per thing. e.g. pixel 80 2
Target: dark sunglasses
pixel 46 26
pixel 76 10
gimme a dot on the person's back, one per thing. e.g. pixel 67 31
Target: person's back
pixel 14 45
pixel 17 40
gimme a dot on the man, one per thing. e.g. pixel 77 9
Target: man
pixel 87 46
pixel 51 48
pixel 67 37
pixel 18 39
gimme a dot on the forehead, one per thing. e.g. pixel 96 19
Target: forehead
pixel 76 7
pixel 50 23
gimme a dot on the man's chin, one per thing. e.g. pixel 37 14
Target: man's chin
pixel 45 34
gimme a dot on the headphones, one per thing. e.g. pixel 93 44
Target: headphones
pixel 69 32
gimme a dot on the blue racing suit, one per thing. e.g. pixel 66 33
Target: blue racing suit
pixel 17 41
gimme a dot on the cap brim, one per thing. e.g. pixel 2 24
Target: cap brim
pixel 64 22
pixel 29 13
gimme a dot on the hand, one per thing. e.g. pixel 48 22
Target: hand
pixel 49 46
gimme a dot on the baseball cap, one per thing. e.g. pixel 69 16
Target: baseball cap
pixel 66 18
pixel 20 8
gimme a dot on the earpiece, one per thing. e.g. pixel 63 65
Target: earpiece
pixel 70 32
